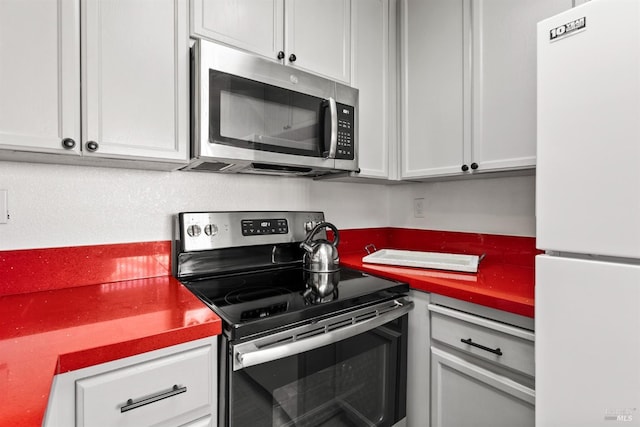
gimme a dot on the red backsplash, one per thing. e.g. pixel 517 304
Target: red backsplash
pixel 511 250
pixel 33 270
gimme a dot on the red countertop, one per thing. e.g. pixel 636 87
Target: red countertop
pixel 69 308
pixel 505 277
pixel 50 326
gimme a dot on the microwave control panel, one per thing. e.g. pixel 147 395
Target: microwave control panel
pixel 346 126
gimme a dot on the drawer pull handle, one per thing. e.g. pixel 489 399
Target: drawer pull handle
pixel 147 400
pixel 480 346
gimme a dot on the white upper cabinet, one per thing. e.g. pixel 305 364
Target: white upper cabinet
pixel 117 91
pixel 255 26
pixel 504 80
pixel 136 78
pixel 318 37
pixel 434 60
pixel 469 85
pixel 313 35
pixel 40 76
pixel 374 74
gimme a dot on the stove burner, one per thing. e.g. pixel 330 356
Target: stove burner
pixel 238 296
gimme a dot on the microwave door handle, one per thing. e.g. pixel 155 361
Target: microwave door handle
pixel 333 142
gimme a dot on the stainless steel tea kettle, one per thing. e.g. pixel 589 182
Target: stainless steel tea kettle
pixel 321 256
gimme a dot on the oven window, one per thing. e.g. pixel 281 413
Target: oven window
pixel 359 381
pixel 250 114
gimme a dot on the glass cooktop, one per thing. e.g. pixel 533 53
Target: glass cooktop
pixel 256 302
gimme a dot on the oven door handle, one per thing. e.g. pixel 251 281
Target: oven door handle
pixel 248 354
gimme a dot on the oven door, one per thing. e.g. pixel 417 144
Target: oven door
pixel 345 371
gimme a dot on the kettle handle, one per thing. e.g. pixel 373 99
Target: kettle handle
pixel 318 227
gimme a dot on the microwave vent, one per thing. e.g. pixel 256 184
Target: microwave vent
pixel 212 167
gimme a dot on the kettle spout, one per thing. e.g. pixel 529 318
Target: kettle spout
pixel 308 248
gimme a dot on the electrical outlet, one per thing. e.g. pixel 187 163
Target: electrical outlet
pixel 418 208
pixel 4 209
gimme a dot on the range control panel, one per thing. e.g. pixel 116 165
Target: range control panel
pixel 199 231
pixel 261 227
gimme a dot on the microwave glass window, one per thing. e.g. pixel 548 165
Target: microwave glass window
pixel 255 115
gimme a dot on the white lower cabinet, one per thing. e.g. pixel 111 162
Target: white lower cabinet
pixel 482 367
pixel 465 394
pixel 418 361
pixel 175 386
pixel 207 421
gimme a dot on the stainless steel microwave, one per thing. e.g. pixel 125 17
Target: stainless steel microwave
pixel 252 115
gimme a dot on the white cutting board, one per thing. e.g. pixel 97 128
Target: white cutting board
pixel 436 260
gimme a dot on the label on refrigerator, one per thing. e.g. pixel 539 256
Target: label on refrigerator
pixel 568 29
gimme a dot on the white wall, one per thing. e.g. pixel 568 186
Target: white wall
pixel 489 205
pixel 58 205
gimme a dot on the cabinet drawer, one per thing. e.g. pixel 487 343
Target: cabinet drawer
pixel 466 395
pixel 175 387
pixel 496 342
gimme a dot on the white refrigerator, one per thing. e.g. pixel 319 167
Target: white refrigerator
pixel 587 296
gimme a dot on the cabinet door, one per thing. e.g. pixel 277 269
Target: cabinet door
pixel 255 26
pixel 418 366
pixel 135 73
pixel 374 73
pixel 162 391
pixel 435 50
pixel 466 395
pixel 504 80
pixel 202 422
pixel 318 34
pixel 39 75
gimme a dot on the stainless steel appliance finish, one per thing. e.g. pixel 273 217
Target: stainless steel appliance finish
pixel 319 334
pixel 298 347
pixel 252 115
pixel 200 231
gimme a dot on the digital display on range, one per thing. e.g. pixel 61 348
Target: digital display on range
pixel 263 227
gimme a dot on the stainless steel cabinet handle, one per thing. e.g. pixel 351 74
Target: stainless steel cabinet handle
pixel 147 400
pixel 496 351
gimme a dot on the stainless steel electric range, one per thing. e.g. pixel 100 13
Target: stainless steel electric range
pixel 298 348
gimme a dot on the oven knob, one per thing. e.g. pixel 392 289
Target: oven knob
pixel 308 226
pixel 210 229
pixel 194 230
